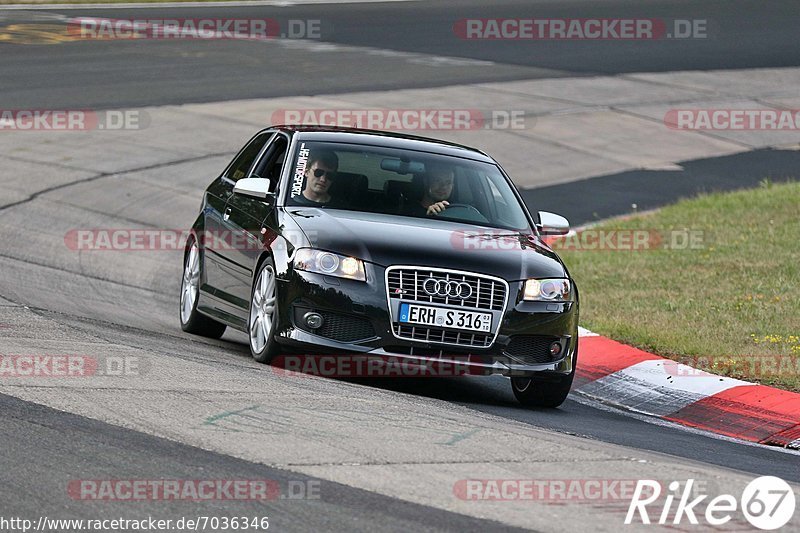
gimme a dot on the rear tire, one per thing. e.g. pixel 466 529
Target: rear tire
pixel 191 320
pixel 263 314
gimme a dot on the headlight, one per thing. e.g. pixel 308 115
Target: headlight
pixel 330 264
pixel 548 290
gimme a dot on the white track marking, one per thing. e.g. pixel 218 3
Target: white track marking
pixel 658 387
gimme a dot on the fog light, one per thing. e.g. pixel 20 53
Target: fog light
pixel 313 320
pixel 555 349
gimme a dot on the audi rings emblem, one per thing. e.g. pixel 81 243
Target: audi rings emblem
pixel 452 289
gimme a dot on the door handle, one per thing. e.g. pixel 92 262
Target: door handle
pixel 227 214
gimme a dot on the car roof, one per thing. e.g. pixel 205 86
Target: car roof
pixel 383 138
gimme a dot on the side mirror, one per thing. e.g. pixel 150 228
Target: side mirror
pixel 552 224
pixel 254 188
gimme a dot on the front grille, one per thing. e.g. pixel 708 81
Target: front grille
pixel 532 349
pixel 487 294
pixel 344 328
pixel 407 284
pixel 433 334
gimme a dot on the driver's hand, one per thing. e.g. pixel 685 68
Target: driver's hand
pixel 438 207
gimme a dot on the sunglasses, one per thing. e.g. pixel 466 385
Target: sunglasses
pixel 319 172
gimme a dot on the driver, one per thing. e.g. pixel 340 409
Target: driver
pixel 320 173
pixel 438 186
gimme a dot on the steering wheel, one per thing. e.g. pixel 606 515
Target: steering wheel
pixel 470 212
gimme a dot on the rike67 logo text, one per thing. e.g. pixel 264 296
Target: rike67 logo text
pixel 766 502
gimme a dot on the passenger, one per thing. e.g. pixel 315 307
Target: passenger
pixel 320 174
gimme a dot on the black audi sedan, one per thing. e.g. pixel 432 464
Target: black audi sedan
pixel 321 240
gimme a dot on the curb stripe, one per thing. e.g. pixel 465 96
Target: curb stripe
pixel 757 413
pixel 652 387
pixel 599 357
pixel 639 381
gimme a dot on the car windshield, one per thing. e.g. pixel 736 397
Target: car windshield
pixel 403 182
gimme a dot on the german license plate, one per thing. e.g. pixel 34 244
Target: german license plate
pixel 444 317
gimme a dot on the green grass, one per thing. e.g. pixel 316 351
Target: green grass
pixel 735 298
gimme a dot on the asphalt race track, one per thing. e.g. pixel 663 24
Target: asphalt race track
pixel 383 455
pixel 104 74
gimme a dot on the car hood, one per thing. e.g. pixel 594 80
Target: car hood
pixel 389 240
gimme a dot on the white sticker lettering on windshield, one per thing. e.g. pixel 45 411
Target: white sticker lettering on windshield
pixel 300 170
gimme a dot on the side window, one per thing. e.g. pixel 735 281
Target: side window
pixel 271 163
pixel 244 160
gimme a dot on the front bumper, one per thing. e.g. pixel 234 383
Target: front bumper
pixel 366 304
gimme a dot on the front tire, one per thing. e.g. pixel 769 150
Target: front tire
pixel 547 392
pixel 264 314
pixel 191 320
pixel 533 393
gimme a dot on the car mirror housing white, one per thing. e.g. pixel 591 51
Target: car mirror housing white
pixel 552 224
pixel 253 187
